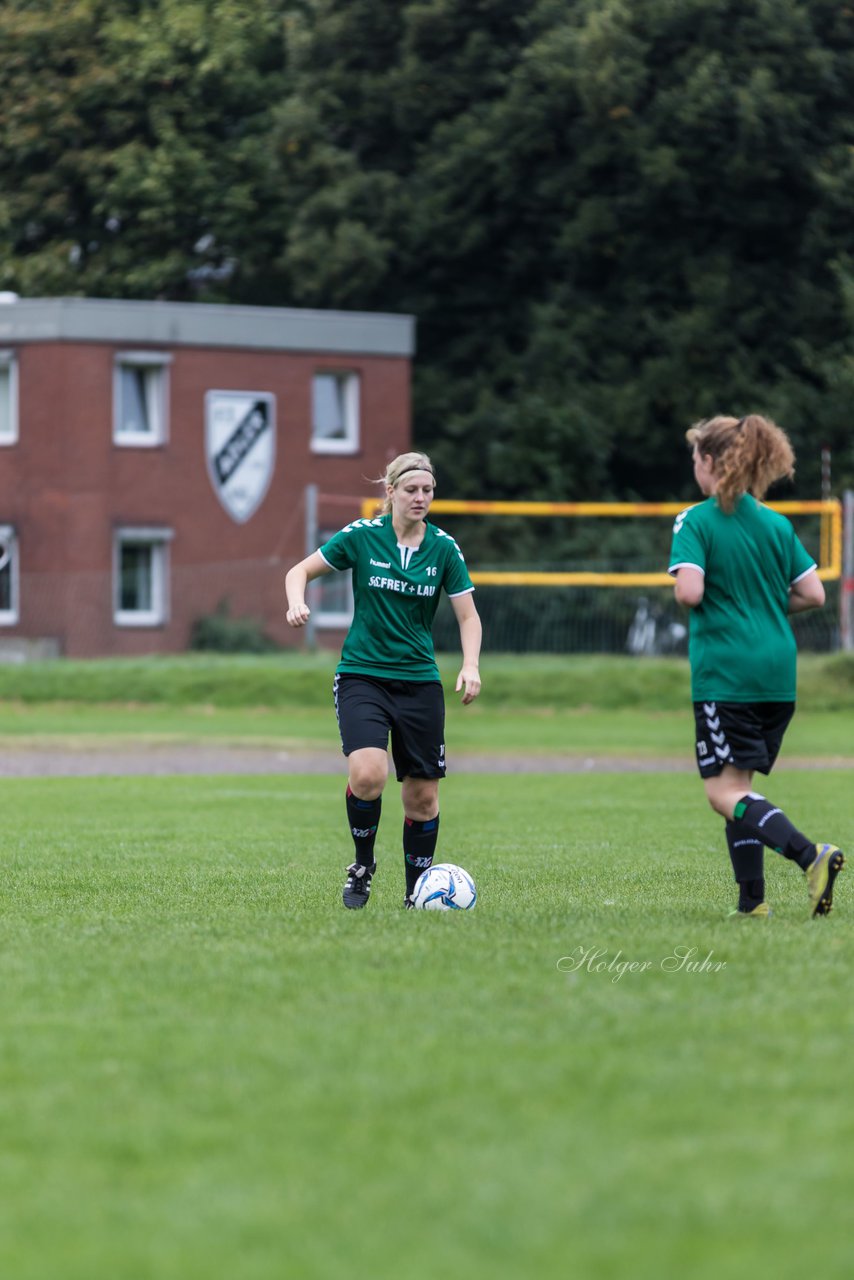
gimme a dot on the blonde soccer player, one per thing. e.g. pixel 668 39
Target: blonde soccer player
pixel 387 682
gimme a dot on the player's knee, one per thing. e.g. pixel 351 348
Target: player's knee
pixel 421 812
pixel 367 781
pixel 420 799
pixel 719 800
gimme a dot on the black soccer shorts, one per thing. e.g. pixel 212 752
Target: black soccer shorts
pixel 747 735
pixel 412 711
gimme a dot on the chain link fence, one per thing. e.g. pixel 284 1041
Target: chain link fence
pixel 604 620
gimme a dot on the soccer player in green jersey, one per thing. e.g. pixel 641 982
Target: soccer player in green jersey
pixel 741 570
pixel 387 681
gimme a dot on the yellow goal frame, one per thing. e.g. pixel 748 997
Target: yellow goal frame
pixel 830 554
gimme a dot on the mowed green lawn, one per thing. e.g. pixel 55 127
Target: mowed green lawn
pixel 209 1069
pixel 469 730
pixel 537 704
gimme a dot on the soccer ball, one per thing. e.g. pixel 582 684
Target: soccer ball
pixel 444 887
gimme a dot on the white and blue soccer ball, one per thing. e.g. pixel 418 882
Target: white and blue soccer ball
pixel 444 887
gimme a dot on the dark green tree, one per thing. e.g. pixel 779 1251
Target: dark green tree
pixel 134 157
pixel 610 217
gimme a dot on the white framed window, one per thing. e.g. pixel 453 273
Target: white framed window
pixel 332 601
pixel 141 577
pixel 334 412
pixel 8 398
pixel 141 398
pixel 9 578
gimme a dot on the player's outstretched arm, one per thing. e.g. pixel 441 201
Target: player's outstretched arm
pixel 296 581
pixel 471 634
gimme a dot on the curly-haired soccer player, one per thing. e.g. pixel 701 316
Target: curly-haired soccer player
pixel 741 570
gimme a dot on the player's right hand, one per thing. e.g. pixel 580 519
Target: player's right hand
pixel 299 615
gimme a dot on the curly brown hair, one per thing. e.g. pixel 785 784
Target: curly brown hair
pixel 748 454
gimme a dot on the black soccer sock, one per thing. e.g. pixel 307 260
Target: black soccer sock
pixel 747 856
pixel 419 845
pixel 364 818
pixel 770 825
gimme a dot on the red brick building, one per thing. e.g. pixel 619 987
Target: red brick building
pixel 154 459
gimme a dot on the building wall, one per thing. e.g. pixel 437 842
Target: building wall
pixel 66 486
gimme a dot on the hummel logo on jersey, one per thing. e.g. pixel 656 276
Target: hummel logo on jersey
pixel 380 564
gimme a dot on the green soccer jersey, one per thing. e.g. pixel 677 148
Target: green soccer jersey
pixel 396 593
pixel 741 644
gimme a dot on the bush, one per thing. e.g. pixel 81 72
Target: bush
pixel 218 632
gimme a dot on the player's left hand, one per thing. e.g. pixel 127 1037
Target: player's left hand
pixel 469 681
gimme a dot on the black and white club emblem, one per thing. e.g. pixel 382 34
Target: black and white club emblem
pixel 240 448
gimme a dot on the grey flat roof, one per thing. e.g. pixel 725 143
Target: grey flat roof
pixel 199 324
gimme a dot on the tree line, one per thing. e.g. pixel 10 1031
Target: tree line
pixel 610 217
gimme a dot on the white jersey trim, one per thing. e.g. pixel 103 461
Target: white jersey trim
pixel 811 569
pixel 452 595
pixel 686 564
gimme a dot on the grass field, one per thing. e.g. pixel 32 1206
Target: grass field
pixel 475 729
pixel 541 705
pixel 297 680
pixel 208 1068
